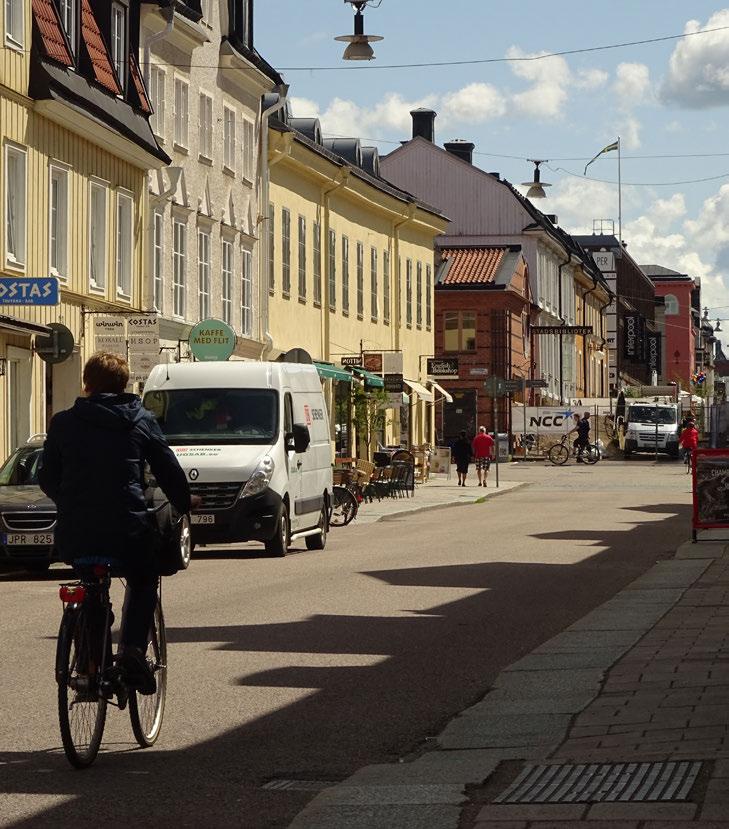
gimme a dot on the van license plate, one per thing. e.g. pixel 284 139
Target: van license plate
pixel 202 518
pixel 28 539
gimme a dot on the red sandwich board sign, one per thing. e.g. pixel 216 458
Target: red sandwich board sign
pixel 710 489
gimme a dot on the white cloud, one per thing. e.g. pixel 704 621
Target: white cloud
pixel 591 78
pixel 632 84
pixel 549 78
pixel 698 72
pixel 629 128
pixel 668 211
pixel 476 102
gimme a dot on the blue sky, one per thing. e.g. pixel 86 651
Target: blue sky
pixel 665 98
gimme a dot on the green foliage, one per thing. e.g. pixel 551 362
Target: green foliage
pixel 369 414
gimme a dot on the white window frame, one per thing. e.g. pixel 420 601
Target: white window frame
pixel 68 10
pixel 205 126
pixel 227 257
pixel 157 91
pixel 386 287
pixel 98 221
pixel 182 99
pixel 119 41
pixel 671 305
pixel 249 147
pixel 229 116
pixel 15 23
pixel 374 288
pixel 246 293
pixel 179 266
pixel 15 201
pixel 302 258
pixel 124 247
pixel 158 252
pixel 58 221
pixel 316 261
pixel 204 242
pixel 285 252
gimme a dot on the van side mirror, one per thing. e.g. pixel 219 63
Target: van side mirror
pixel 298 439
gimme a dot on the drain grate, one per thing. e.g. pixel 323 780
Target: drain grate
pixel 621 782
pixel 298 785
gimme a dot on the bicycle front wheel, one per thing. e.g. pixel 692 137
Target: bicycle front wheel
pixel 81 707
pixel 146 711
pixel 344 507
pixel 558 454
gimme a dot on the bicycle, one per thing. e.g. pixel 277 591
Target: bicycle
pixel 688 459
pixel 559 453
pixel 345 505
pixel 87 674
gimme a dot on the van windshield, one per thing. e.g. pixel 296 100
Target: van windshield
pixel 215 415
pixel 651 414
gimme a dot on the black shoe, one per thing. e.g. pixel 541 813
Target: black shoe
pixel 138 674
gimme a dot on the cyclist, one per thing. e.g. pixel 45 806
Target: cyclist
pixel 583 435
pixel 689 438
pixel 93 468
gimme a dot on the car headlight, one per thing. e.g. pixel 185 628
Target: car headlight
pixel 260 479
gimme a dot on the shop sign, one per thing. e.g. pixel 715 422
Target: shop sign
pixel 211 340
pixel 443 368
pixel 654 352
pixel 392 362
pixel 394 383
pixel 355 361
pixel 576 330
pixel 110 334
pixel 711 488
pixel 16 290
pixel 542 419
pixel 630 343
pixel 372 362
pixel 605 260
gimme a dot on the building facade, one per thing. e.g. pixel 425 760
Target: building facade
pixel 206 83
pixel 76 147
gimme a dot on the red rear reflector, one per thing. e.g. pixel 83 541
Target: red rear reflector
pixel 100 570
pixel 72 593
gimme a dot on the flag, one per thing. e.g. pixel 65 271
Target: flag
pixel 610 147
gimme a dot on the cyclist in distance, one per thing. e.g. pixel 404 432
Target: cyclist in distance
pixel 583 435
pixel 93 468
pixel 689 438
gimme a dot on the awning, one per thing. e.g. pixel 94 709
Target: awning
pixel 420 390
pixel 329 372
pixel 24 326
pixel 436 387
pixel 373 380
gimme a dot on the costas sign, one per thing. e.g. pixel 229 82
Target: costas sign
pixel 211 339
pixel 28 291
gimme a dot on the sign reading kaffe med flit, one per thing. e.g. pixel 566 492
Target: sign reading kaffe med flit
pixel 211 339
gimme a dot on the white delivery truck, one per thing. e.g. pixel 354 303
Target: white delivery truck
pixel 652 426
pixel 253 439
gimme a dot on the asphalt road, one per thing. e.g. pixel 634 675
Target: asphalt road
pixel 309 667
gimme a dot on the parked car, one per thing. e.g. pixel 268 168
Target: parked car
pixel 27 515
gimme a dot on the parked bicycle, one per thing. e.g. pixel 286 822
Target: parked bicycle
pixel 560 452
pixel 88 676
pixel 345 504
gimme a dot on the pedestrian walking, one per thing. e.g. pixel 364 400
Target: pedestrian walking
pixel 483 449
pixel 461 452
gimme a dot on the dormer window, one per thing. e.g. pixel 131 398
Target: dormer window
pixel 241 13
pixel 119 41
pixel 68 10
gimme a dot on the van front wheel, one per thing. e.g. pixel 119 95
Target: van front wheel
pixel 279 544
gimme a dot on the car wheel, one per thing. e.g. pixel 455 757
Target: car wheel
pixel 319 542
pixel 279 544
pixel 185 543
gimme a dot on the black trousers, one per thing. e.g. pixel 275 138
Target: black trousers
pixel 140 601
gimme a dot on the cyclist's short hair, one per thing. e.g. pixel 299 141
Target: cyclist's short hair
pixel 106 373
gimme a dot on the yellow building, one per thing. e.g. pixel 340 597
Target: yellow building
pixel 592 296
pixel 350 273
pixel 75 147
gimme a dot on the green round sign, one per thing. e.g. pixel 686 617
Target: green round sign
pixel 211 340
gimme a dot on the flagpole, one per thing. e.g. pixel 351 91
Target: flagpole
pixel 620 198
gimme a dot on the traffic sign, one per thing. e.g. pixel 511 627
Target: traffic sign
pixel 514 385
pixel 537 384
pixel 478 371
pixel 15 290
pixel 55 347
pixel 495 386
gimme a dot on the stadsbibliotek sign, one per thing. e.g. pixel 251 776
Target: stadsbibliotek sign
pixel 578 330
pixel 211 339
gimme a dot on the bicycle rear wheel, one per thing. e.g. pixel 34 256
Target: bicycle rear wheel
pixel 81 707
pixel 558 454
pixel 344 507
pixel 146 711
pixel 591 455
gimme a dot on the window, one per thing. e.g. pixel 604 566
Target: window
pixel 409 292
pixel 360 280
pixel 345 275
pixel 229 138
pixel 14 22
pixel 316 242
pixel 241 13
pixel 15 161
pixel 179 266
pixel 271 249
pixel 459 331
pixel 373 284
pixel 249 150
pixel 428 296
pixel 205 10
pixel 97 236
pixel 246 294
pixel 157 81
pixel 671 304
pixel 386 287
pixel 419 295
pixel 158 260
pixel 69 12
pixel 58 241
pixel 123 245
pixel 285 252
pixel 227 269
pixel 119 42
pixel 332 270
pixel 205 126
pixel 181 118
pixel 203 273
pixel 302 258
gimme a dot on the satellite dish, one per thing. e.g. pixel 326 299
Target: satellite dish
pixel 55 347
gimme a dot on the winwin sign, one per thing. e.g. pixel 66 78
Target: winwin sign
pixel 542 419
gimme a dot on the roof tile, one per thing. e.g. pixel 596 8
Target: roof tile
pixel 99 54
pixel 49 26
pixel 473 266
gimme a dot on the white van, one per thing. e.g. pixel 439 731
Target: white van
pixel 253 439
pixel 652 426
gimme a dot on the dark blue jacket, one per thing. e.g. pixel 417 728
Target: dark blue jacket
pixel 93 468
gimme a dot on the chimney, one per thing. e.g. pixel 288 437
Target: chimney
pixel 424 123
pixel 461 149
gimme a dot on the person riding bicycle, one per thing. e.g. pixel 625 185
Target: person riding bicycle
pixel 583 435
pixel 689 438
pixel 93 468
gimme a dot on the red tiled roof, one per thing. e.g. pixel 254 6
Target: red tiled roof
pixel 99 54
pixel 477 266
pixel 139 85
pixel 49 26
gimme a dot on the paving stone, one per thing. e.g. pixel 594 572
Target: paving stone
pixel 543 811
pixel 546 683
pixel 383 795
pixel 511 702
pixel 500 824
pixel 642 811
pixel 378 817
pixel 433 767
pixel 600 658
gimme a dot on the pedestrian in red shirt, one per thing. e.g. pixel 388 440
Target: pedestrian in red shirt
pixel 483 449
pixel 689 438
